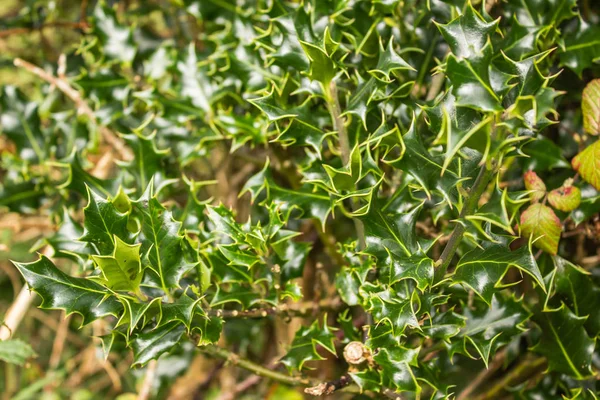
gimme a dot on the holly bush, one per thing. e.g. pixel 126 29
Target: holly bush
pixel 277 199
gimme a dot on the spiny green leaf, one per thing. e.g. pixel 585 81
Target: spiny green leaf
pixel 162 243
pixel 471 81
pixel 74 295
pixel 484 269
pixel 580 48
pixel 389 61
pixel 306 345
pixel 396 368
pixel 103 221
pixel 182 311
pixel 123 269
pixel 565 343
pixel 487 328
pixel 467 34
pixel 152 344
pixel 573 286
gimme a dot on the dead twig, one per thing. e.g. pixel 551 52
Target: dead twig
pixel 146 388
pixel 82 106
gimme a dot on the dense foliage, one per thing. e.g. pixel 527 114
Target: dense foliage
pixel 355 198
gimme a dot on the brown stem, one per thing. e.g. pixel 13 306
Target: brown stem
pixel 327 388
pixel 146 388
pixel 219 352
pixel 294 310
pixel 59 340
pixel 82 106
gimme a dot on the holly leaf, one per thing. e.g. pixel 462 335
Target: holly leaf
pixel 574 286
pixel 565 343
pixel 389 61
pixel 396 308
pixel 153 343
pixel 396 371
pixel 471 81
pixel 467 34
pixel 162 244
pixel 181 311
pixel 484 269
pixel 580 47
pixel 117 40
pixel 148 161
pixel 306 344
pixel 103 222
pixel 539 222
pixel 488 328
pixel 123 269
pixel 74 295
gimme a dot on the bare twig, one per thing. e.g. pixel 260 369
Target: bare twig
pixel 327 388
pixel 59 341
pixel 295 310
pixel 219 352
pixel 82 106
pixel 146 388
pixel 15 313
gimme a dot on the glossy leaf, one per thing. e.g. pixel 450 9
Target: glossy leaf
pixel 61 291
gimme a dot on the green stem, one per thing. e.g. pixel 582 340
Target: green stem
pixel 333 103
pixel 219 352
pixel 481 183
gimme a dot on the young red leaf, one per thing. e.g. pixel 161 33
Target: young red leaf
pixel 540 222
pixel 565 198
pixel 535 185
pixel 587 163
pixel 590 106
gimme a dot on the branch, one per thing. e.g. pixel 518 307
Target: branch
pixel 295 310
pixel 343 382
pixel 19 308
pixel 82 106
pixel 481 183
pixel 146 388
pixel 16 313
pixel 219 352
pixel 327 388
